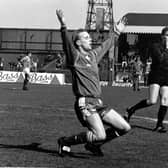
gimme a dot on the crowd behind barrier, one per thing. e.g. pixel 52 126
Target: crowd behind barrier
pixel 123 72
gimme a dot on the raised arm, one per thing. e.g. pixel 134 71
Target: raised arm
pixel 113 37
pixel 60 17
pixel 120 25
pixel 68 45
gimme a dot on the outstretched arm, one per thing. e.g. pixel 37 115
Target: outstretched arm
pixel 61 17
pixel 111 41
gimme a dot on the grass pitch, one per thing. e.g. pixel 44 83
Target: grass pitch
pixel 32 121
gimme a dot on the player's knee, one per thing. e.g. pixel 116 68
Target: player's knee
pixel 99 136
pixel 127 127
pixel 124 131
pixel 164 101
pixel 152 102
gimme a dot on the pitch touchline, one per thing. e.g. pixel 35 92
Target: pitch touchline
pixel 71 110
pixel 149 118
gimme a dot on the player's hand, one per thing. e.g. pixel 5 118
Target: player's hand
pixel 123 21
pixel 120 25
pixel 60 16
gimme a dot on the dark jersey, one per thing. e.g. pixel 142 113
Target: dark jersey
pixel 84 68
pixel 159 58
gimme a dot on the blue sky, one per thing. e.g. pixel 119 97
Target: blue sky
pixel 41 13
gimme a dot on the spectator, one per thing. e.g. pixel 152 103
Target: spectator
pixel 1 63
pixel 147 70
pixel 124 63
pixel 137 73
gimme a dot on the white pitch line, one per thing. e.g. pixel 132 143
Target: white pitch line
pixel 72 110
pixel 149 118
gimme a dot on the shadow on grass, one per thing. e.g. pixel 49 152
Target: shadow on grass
pixel 36 147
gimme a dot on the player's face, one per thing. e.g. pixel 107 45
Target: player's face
pixel 85 41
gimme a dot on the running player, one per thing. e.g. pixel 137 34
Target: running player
pixel 27 64
pixel 83 62
pixel 158 82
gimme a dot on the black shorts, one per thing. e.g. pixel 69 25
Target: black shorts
pixel 86 106
pixel 160 78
